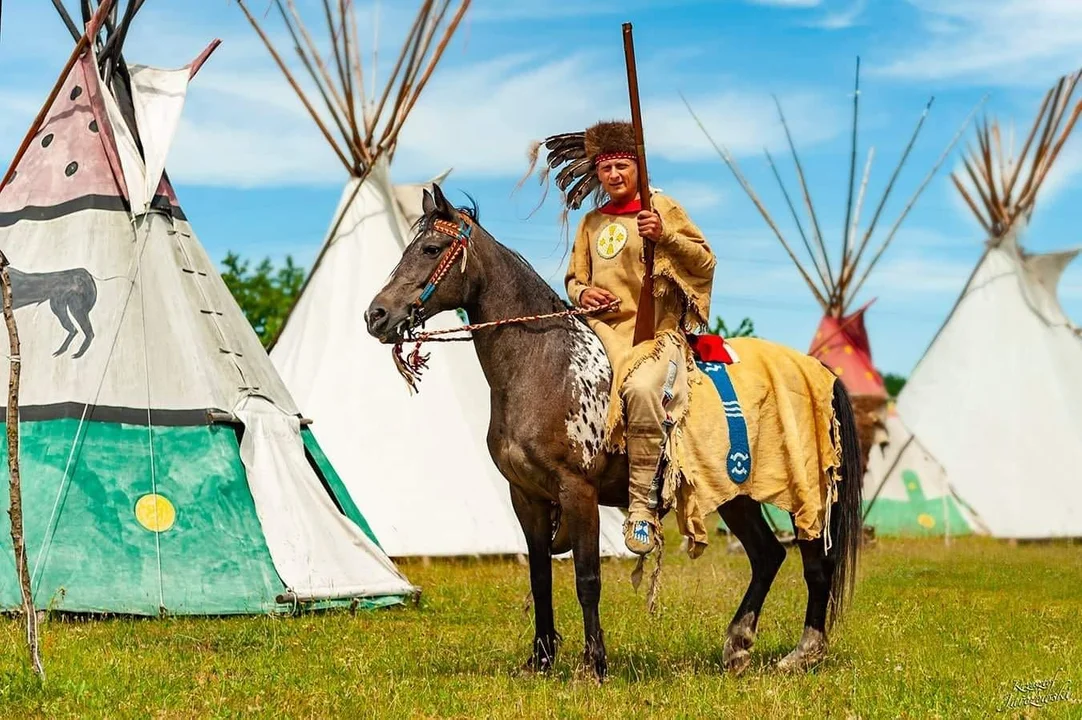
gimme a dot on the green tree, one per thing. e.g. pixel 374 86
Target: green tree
pixel 265 293
pixel 894 384
pixel 746 328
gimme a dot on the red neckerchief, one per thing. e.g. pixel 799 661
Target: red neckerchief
pixel 628 208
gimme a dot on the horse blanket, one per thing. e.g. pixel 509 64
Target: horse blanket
pixel 773 436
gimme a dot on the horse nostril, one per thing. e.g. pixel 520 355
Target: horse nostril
pixel 375 317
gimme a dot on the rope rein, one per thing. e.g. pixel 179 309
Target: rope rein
pixel 411 366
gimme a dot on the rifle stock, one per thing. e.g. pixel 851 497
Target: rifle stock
pixel 644 315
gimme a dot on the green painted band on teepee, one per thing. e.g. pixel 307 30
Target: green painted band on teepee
pixel 210 557
pixel 338 488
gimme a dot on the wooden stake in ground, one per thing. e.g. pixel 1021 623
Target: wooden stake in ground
pixel 17 538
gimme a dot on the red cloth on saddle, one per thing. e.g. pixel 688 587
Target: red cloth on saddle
pixel 710 348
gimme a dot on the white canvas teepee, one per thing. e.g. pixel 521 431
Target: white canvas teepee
pixel 419 465
pixel 997 397
pixel 908 491
pixel 167 468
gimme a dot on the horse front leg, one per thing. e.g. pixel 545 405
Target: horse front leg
pixel 580 511
pixel 533 516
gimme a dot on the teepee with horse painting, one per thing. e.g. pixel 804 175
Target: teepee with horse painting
pixel 169 470
pixel 564 380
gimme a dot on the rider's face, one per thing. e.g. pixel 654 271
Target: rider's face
pixel 619 178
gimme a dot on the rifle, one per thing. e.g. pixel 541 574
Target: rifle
pixel 644 317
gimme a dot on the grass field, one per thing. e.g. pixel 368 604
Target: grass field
pixel 933 632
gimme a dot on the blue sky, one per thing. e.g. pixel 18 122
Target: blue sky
pixel 255 176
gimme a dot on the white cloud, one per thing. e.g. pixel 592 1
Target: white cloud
pixel 244 126
pixel 912 275
pixel 695 195
pixel 998 42
pixel 744 122
pixel 841 19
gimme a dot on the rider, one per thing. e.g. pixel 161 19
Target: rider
pixel 651 379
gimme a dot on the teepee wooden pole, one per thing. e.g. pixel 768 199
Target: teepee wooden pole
pixel 322 79
pixel 296 88
pixel 18 537
pixel 909 205
pixel 890 185
pixel 730 162
pixel 807 197
pixel 799 226
pixel 846 235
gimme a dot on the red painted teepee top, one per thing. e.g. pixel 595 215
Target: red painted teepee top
pixel 842 345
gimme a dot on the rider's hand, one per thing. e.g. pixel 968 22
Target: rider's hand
pixel 649 223
pixel 595 297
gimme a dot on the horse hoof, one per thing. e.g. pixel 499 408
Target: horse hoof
pixel 809 652
pixel 736 661
pixel 596 668
pixel 736 653
pixel 543 657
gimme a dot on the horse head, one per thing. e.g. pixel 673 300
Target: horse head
pixel 433 274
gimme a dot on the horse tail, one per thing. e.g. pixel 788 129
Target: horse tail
pixel 111 277
pixel 847 516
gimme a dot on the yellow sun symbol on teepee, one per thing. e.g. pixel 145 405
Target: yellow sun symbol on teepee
pixel 611 240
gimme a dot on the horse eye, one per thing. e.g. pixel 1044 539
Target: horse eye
pixel 431 250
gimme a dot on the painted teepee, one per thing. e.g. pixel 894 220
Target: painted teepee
pixel 419 465
pixel 997 396
pixel 841 340
pixel 909 491
pixel 166 468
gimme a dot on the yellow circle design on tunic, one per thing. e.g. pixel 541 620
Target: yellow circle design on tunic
pixel 155 513
pixel 611 240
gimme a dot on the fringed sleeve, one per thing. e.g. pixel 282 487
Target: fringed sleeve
pixel 578 276
pixel 683 260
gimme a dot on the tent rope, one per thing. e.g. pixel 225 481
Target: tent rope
pixel 153 459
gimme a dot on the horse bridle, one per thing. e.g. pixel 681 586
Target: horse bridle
pixel 460 233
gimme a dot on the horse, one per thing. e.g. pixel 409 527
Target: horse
pixel 549 380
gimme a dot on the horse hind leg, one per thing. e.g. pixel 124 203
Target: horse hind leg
pixel 60 310
pixel 744 517
pixel 818 574
pixel 82 317
pixel 830 575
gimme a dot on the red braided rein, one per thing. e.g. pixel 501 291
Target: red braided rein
pixel 411 366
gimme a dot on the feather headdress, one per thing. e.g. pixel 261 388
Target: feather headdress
pixel 574 156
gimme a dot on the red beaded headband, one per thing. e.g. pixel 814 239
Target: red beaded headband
pixel 601 157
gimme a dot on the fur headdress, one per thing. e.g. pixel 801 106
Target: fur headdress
pixel 575 155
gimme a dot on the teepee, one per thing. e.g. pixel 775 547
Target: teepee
pixel 166 468
pixel 841 340
pixel 419 465
pixel 997 396
pixel 909 493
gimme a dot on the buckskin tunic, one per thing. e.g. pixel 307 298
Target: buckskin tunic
pixel 608 254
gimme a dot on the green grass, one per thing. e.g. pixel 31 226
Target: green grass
pixel 933 632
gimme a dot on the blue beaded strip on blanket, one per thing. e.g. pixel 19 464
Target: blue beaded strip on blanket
pixel 738 461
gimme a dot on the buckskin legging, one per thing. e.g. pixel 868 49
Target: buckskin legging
pixel 655 391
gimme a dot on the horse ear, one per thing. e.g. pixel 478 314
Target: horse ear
pixel 428 203
pixel 442 205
